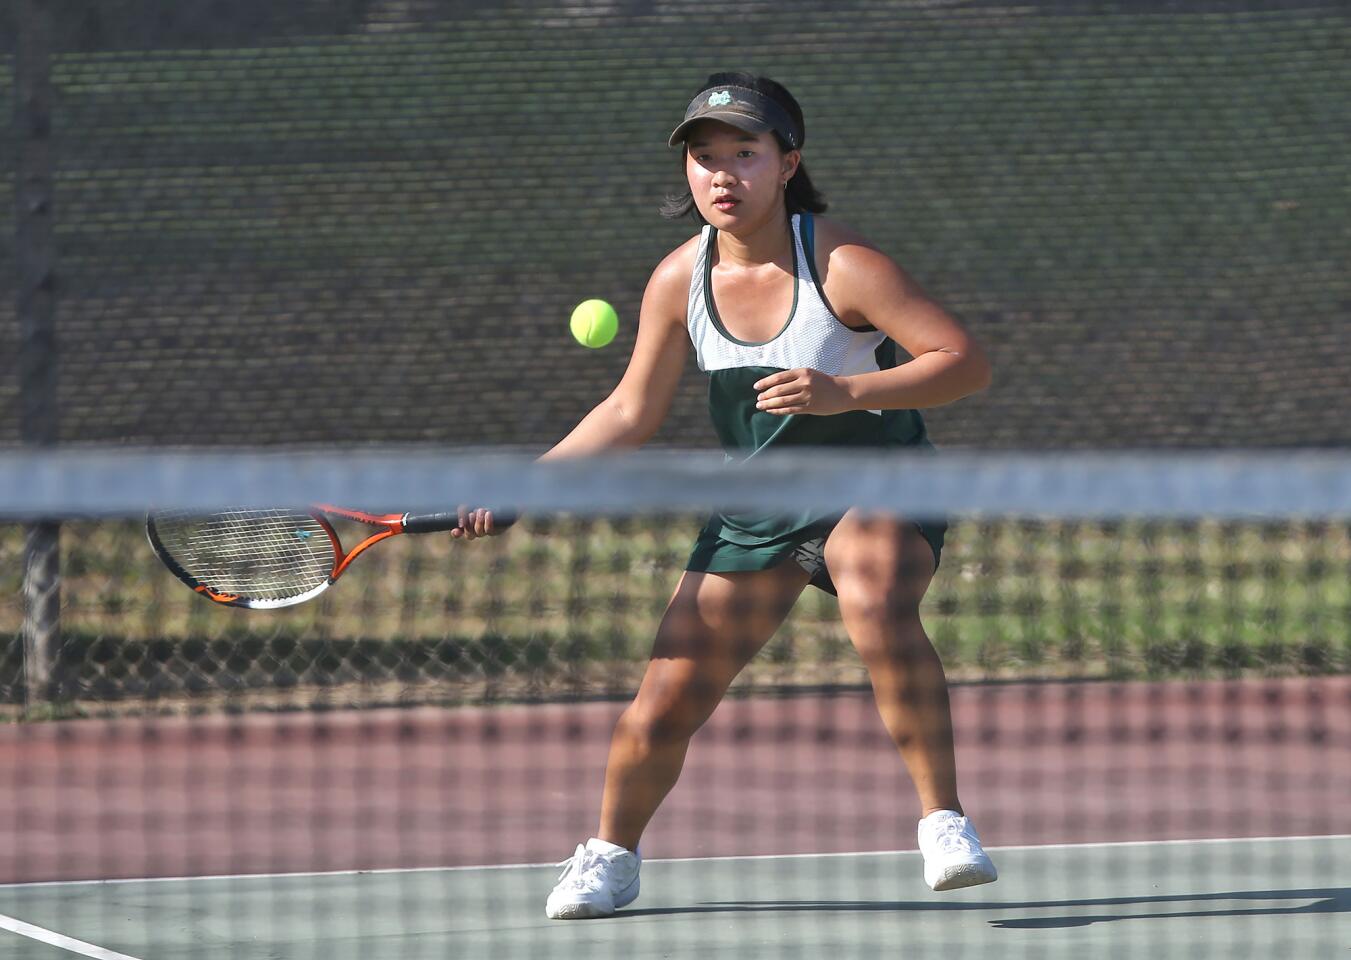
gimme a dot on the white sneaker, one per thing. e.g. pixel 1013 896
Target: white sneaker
pixel 599 879
pixel 953 857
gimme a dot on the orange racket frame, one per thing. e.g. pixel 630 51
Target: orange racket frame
pixel 391 524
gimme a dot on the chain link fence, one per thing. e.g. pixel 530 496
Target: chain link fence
pixel 341 222
pixel 353 222
pixel 566 608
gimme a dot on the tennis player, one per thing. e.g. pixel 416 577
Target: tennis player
pixel 796 320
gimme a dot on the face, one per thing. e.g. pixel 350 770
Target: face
pixel 735 177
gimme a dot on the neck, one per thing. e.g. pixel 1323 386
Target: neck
pixel 759 243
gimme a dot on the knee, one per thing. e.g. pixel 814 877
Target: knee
pixel 883 576
pixel 884 625
pixel 657 722
pixel 882 600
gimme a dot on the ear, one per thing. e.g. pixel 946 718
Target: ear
pixel 791 159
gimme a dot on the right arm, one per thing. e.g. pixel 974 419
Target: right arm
pixel 634 410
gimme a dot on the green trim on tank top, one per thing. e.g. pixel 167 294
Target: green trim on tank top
pixel 712 307
pixel 808 228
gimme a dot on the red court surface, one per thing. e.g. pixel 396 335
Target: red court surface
pixel 1039 764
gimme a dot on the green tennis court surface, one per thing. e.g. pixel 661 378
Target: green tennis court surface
pixel 1191 899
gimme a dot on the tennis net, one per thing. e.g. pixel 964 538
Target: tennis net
pixel 1147 659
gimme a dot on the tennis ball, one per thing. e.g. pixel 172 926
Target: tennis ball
pixel 594 323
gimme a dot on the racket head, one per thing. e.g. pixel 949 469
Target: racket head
pixel 260 559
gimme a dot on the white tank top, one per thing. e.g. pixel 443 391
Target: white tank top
pixel 812 336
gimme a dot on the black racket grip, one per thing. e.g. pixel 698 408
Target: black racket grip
pixel 441 522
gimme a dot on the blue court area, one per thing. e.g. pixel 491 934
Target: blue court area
pixel 1286 898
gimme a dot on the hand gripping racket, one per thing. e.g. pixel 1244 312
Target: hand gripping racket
pixel 265 559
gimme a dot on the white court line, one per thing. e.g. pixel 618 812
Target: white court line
pixel 1028 846
pixel 59 940
pixel 764 856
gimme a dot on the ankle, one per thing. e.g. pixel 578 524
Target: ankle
pixel 628 844
pixel 955 809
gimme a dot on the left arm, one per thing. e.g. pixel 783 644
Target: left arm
pixel 865 286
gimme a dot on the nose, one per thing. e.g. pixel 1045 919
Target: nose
pixel 723 178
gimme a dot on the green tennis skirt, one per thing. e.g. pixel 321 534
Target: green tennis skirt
pixel 724 546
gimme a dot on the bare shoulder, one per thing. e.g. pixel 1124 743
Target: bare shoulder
pixel 842 247
pixel 670 280
pixel 856 273
pixel 832 235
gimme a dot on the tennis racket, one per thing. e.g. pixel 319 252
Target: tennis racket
pixel 265 559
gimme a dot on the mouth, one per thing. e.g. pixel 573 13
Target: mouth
pixel 725 203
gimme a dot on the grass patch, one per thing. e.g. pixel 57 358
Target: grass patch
pixel 564 599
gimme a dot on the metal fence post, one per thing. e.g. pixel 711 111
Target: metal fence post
pixel 35 257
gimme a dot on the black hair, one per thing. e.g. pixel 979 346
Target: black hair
pixel 801 196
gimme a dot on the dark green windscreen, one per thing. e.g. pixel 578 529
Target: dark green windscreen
pixel 369 221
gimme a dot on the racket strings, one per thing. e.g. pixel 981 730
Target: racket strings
pixel 256 554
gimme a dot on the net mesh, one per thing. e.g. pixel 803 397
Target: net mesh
pixel 350 223
pixel 1148 711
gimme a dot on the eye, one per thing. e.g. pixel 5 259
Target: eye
pixel 746 153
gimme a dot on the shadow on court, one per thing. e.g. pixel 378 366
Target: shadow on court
pixel 1325 900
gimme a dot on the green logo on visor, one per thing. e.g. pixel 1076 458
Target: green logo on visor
pixel 720 99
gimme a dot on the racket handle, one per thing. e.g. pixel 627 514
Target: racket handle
pixel 441 522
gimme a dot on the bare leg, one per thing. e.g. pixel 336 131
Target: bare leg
pixel 881 569
pixel 714 625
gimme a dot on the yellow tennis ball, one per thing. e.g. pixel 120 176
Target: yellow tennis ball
pixel 594 323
